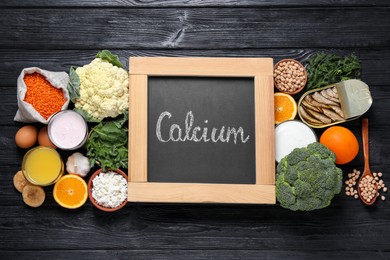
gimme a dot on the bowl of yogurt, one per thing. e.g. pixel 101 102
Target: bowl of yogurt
pixel 292 134
pixel 67 130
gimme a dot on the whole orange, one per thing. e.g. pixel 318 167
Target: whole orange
pixel 342 142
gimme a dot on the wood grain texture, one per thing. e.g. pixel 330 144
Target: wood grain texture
pixel 200 28
pixel 375 62
pixel 201 193
pixel 57 34
pixel 138 125
pixel 190 3
pixel 161 254
pixel 213 227
pixel 265 134
pixel 201 66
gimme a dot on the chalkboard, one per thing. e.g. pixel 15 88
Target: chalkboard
pixel 220 107
pixel 201 130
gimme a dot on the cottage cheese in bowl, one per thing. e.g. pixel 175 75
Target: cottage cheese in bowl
pixel 108 190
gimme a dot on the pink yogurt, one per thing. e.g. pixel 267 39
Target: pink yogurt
pixel 67 130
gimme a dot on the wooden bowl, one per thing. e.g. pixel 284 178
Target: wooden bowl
pixel 92 199
pixel 297 90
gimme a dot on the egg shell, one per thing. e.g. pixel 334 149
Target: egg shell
pixel 43 138
pixel 26 136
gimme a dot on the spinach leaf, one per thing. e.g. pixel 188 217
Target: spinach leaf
pixel 73 84
pixel 107 146
pixel 111 58
pixel 110 133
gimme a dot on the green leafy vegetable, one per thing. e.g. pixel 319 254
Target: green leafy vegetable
pixel 307 178
pixel 326 69
pixel 111 58
pixel 107 145
pixel 122 119
pixel 73 84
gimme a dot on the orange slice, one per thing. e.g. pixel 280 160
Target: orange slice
pixel 285 107
pixel 70 191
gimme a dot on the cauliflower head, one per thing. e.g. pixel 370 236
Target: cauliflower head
pixel 307 178
pixel 104 89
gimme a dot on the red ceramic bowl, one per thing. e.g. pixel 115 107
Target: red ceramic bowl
pixel 93 201
pixel 297 90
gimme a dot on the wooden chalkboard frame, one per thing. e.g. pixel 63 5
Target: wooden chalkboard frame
pixel 261 69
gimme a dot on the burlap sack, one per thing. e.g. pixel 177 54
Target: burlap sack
pixel 26 112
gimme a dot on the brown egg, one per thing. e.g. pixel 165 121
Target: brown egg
pixel 43 138
pixel 26 136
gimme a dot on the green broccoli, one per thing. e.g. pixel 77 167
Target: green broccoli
pixel 307 178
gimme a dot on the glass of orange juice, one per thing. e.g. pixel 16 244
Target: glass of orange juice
pixel 42 166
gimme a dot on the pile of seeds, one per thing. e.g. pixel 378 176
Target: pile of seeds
pixel 368 186
pixel 289 76
pixel 351 183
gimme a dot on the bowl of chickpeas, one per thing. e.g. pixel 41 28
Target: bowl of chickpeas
pixel 290 76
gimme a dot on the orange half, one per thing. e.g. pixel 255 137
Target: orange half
pixel 70 191
pixel 285 107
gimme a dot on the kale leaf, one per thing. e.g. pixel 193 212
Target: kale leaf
pixel 325 69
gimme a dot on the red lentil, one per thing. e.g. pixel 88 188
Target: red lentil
pixel 45 98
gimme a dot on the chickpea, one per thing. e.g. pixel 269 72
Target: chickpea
pixel 370 187
pixel 289 76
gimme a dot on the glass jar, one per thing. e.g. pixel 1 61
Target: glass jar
pixel 67 130
pixel 42 166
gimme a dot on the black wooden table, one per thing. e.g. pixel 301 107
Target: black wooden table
pixel 54 35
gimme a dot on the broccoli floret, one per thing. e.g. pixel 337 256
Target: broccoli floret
pixel 307 178
pixel 287 193
pixel 307 204
pixel 281 167
pixel 299 156
pixel 291 175
pixel 321 151
pixel 303 189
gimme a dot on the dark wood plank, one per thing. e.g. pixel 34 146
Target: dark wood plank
pixel 193 254
pixel 57 34
pixel 375 62
pixel 200 28
pixel 190 3
pixel 161 254
pixel 195 227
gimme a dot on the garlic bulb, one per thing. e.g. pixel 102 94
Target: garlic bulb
pixel 78 164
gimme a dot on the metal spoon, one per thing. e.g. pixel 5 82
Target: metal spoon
pixel 367 170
